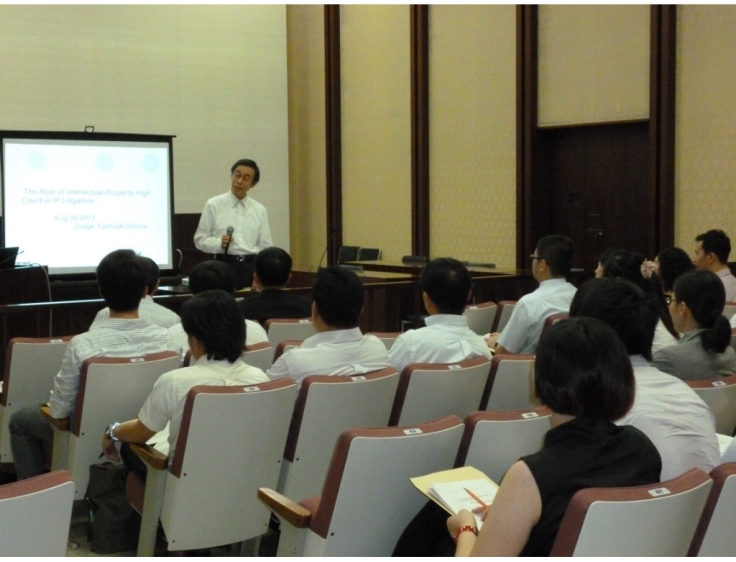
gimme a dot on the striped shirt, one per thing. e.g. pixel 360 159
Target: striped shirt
pixel 675 419
pixel 110 337
pixel 153 312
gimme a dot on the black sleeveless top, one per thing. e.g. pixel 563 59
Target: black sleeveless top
pixel 585 453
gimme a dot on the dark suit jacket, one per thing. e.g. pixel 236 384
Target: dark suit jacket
pixel 275 303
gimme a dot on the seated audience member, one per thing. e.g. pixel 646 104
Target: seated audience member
pixel 216 333
pixel 445 285
pixel 551 262
pixel 155 313
pixel 669 264
pixel 584 376
pixel 339 347
pixel 627 265
pixel 666 409
pixel 704 350
pixel 210 276
pixel 272 274
pixel 121 277
pixel 711 254
pixel 602 260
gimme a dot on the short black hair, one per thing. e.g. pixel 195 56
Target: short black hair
pixel 605 255
pixel 273 266
pixel 624 307
pixel 338 295
pixel 582 369
pixel 251 164
pixel 557 251
pixel 214 318
pixel 153 274
pixel 673 262
pixel 447 282
pixel 210 275
pixel 626 265
pixel 122 277
pixel 704 294
pixel 715 242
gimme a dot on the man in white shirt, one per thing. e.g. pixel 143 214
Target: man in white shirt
pixel 209 276
pixel 216 332
pixel 712 249
pixel 247 218
pixel 339 347
pixel 153 312
pixel 667 410
pixel 121 276
pixel 445 285
pixel 551 262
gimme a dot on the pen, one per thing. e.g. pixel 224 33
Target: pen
pixel 483 504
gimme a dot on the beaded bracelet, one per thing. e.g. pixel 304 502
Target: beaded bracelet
pixel 465 529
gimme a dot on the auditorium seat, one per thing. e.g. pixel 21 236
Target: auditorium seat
pixel 369 254
pixel 714 535
pixel 552 320
pixel 230 444
pixel 481 316
pixel 259 355
pixel 428 391
pixel 720 395
pixel 388 338
pixel 35 515
pixel 493 441
pixel 110 389
pixel 347 253
pixel 283 347
pixel 325 407
pixel 367 499
pixel 654 520
pixel 280 329
pixel 505 308
pixel 510 384
pixel 30 367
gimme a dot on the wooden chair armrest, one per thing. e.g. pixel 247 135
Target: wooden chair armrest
pixel 60 424
pixel 153 458
pixel 295 514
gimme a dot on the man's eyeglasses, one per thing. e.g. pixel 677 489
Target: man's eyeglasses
pixel 669 299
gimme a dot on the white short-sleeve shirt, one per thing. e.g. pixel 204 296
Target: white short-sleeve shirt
pixel 165 404
pixel 524 328
pixel 336 352
pixel 446 339
pixel 675 419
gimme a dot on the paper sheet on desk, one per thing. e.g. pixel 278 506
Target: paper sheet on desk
pixel 447 489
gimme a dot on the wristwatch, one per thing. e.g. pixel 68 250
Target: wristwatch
pixel 110 431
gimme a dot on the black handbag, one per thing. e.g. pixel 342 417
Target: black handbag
pixel 114 524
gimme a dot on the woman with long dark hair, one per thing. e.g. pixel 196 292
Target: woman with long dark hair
pixel 627 265
pixel 704 350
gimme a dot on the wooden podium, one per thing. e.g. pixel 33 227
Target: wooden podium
pixel 24 284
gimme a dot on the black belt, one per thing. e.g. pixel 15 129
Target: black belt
pixel 232 258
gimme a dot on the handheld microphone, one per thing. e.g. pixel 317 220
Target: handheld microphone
pixel 229 232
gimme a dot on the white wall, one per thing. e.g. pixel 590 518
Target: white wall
pixel 214 76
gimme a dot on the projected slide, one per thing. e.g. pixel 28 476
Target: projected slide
pixel 67 203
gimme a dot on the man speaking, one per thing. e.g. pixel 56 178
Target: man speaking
pixel 234 227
